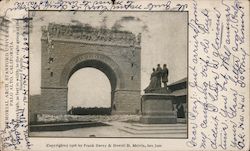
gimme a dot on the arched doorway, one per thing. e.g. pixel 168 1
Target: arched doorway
pixel 100 62
pixel 89 92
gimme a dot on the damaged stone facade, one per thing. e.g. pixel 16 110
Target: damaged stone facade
pixel 68 48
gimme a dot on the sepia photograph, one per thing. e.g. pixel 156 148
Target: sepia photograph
pixel 108 74
pixel 124 75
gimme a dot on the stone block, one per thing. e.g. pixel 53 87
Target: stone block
pixel 158 109
pixel 127 102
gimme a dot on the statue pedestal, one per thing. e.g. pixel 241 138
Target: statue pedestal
pixel 158 109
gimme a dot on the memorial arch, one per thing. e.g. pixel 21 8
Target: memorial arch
pixel 67 48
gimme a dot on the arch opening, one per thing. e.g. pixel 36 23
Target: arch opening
pixel 102 62
pixel 97 65
pixel 104 71
pixel 89 88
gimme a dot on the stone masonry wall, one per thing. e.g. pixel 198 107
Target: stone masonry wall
pixel 57 51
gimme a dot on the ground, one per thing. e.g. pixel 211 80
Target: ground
pixel 119 126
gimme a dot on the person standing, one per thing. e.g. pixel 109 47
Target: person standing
pixel 180 110
pixel 164 75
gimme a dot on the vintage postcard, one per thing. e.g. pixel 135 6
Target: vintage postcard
pixel 124 75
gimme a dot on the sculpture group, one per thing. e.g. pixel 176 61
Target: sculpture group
pixel 88 33
pixel 158 76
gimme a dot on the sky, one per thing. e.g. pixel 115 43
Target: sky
pixel 164 41
pixel 98 82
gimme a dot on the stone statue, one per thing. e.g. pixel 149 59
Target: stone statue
pixel 164 75
pixel 162 99
pixel 159 75
pixel 153 82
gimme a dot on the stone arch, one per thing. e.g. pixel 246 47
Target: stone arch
pixel 95 60
pixel 63 53
pixel 99 61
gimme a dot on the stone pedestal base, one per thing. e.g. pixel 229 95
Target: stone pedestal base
pixel 158 109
